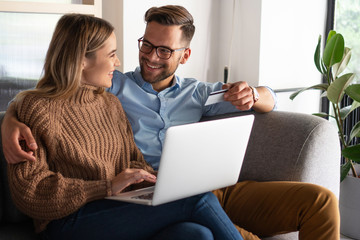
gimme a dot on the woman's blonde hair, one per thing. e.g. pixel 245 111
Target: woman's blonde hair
pixel 76 36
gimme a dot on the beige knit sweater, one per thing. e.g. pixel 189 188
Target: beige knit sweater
pixel 83 142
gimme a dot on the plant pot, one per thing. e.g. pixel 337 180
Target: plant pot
pixel 350 207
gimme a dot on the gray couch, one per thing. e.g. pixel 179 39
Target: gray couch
pixel 283 146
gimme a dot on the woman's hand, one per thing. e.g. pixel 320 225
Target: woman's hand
pixel 128 177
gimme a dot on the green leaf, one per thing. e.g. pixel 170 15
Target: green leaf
pixel 355 132
pixel 330 35
pixel 345 111
pixel 323 66
pixel 317 58
pixel 352 152
pixel 355 105
pixel 323 94
pixel 338 68
pixel 353 91
pixel 322 86
pixel 334 50
pixel 336 90
pixel 323 115
pixel 345 168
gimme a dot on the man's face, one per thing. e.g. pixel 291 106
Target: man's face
pixel 160 72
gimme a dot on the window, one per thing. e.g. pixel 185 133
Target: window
pixel 26 28
pixel 346 22
pixel 347 19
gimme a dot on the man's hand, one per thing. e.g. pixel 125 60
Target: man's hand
pixel 13 131
pixel 241 96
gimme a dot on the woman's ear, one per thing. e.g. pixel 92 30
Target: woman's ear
pixel 186 56
pixel 84 63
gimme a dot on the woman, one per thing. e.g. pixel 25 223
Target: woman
pixel 86 152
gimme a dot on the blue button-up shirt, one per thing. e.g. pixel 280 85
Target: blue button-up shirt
pixel 151 113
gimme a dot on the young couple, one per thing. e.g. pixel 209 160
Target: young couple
pixel 80 145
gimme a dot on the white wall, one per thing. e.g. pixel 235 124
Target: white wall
pixel 272 44
pixel 112 11
pixel 289 34
pixel 239 40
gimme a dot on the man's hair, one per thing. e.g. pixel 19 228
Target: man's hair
pixel 173 15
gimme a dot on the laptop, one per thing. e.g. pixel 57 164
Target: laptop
pixel 196 158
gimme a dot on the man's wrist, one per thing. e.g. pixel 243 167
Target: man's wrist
pixel 255 94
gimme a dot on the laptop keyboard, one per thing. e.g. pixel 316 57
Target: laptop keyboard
pixel 147 196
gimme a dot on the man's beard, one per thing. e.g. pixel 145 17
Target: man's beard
pixel 164 74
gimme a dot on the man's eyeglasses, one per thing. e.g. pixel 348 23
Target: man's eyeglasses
pixel 161 52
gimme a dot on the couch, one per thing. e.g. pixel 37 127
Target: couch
pixel 283 146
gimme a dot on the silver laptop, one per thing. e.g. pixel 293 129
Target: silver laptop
pixel 196 158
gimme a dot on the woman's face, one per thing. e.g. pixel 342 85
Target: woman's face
pixel 98 70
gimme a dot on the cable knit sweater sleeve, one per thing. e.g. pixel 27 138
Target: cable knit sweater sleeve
pixel 36 190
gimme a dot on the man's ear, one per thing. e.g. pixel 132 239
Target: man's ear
pixel 186 56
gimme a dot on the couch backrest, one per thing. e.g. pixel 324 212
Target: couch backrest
pixel 288 146
pixel 8 211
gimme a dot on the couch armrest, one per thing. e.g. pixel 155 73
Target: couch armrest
pixel 287 146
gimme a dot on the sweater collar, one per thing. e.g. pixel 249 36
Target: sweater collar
pixel 85 94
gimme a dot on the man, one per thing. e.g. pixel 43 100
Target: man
pixel 155 99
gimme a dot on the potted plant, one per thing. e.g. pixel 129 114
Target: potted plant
pixel 331 65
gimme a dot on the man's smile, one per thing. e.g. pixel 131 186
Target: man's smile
pixel 152 66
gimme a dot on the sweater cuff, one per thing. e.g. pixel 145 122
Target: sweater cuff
pixel 96 190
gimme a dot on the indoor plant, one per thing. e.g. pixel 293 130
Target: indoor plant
pixel 331 64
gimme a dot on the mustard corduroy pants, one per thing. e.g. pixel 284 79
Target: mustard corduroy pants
pixel 262 209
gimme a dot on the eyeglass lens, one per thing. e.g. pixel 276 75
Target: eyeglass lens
pixel 161 52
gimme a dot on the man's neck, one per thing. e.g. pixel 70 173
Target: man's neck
pixel 161 85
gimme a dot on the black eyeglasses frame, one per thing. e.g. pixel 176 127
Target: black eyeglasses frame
pixel 140 40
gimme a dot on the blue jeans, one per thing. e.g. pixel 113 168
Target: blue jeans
pixel 185 230
pixel 198 217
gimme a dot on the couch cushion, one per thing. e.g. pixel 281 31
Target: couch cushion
pixel 288 236
pixel 18 231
